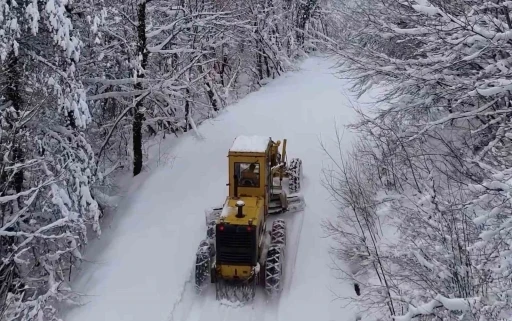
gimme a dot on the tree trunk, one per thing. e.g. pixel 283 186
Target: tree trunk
pixel 303 16
pixel 138 116
pixel 266 66
pixel 211 95
pixel 260 62
pixel 188 126
pixel 14 96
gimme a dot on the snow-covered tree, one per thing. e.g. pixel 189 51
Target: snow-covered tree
pixel 197 56
pixel 47 165
pixel 83 86
pixel 438 150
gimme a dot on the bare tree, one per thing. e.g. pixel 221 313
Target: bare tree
pixel 436 150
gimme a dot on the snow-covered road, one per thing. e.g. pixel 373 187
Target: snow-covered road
pixel 141 268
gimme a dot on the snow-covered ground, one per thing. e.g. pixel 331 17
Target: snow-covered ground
pixel 141 268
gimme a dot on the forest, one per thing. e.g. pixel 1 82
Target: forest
pixel 425 192
pixel 85 84
pixel 424 195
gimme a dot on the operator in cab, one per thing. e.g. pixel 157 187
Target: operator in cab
pixel 249 177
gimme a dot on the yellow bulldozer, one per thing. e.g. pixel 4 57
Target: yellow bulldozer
pixel 240 252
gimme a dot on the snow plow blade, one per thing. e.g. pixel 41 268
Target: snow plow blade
pixel 280 202
pixel 296 203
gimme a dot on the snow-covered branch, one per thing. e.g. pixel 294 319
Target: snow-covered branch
pixel 435 154
pixel 440 301
pixel 83 86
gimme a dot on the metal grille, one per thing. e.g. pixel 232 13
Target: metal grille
pixel 235 245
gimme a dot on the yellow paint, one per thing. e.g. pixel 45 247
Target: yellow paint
pixel 233 271
pixel 283 151
pixel 253 210
pixel 248 158
pixel 255 199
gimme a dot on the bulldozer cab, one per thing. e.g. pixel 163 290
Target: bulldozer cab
pixel 249 166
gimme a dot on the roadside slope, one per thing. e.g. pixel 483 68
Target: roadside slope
pixel 142 268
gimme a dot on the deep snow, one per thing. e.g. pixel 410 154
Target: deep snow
pixel 141 268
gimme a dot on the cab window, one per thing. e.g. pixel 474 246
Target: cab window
pixel 248 174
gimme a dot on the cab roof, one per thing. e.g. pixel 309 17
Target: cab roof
pixel 250 144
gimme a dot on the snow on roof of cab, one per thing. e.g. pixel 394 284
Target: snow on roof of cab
pixel 248 144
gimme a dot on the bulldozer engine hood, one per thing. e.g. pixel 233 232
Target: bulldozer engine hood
pixel 251 210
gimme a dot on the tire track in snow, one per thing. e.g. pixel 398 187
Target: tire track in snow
pixel 189 300
pixel 182 294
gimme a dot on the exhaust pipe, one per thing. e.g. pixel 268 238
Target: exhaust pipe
pixel 240 204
